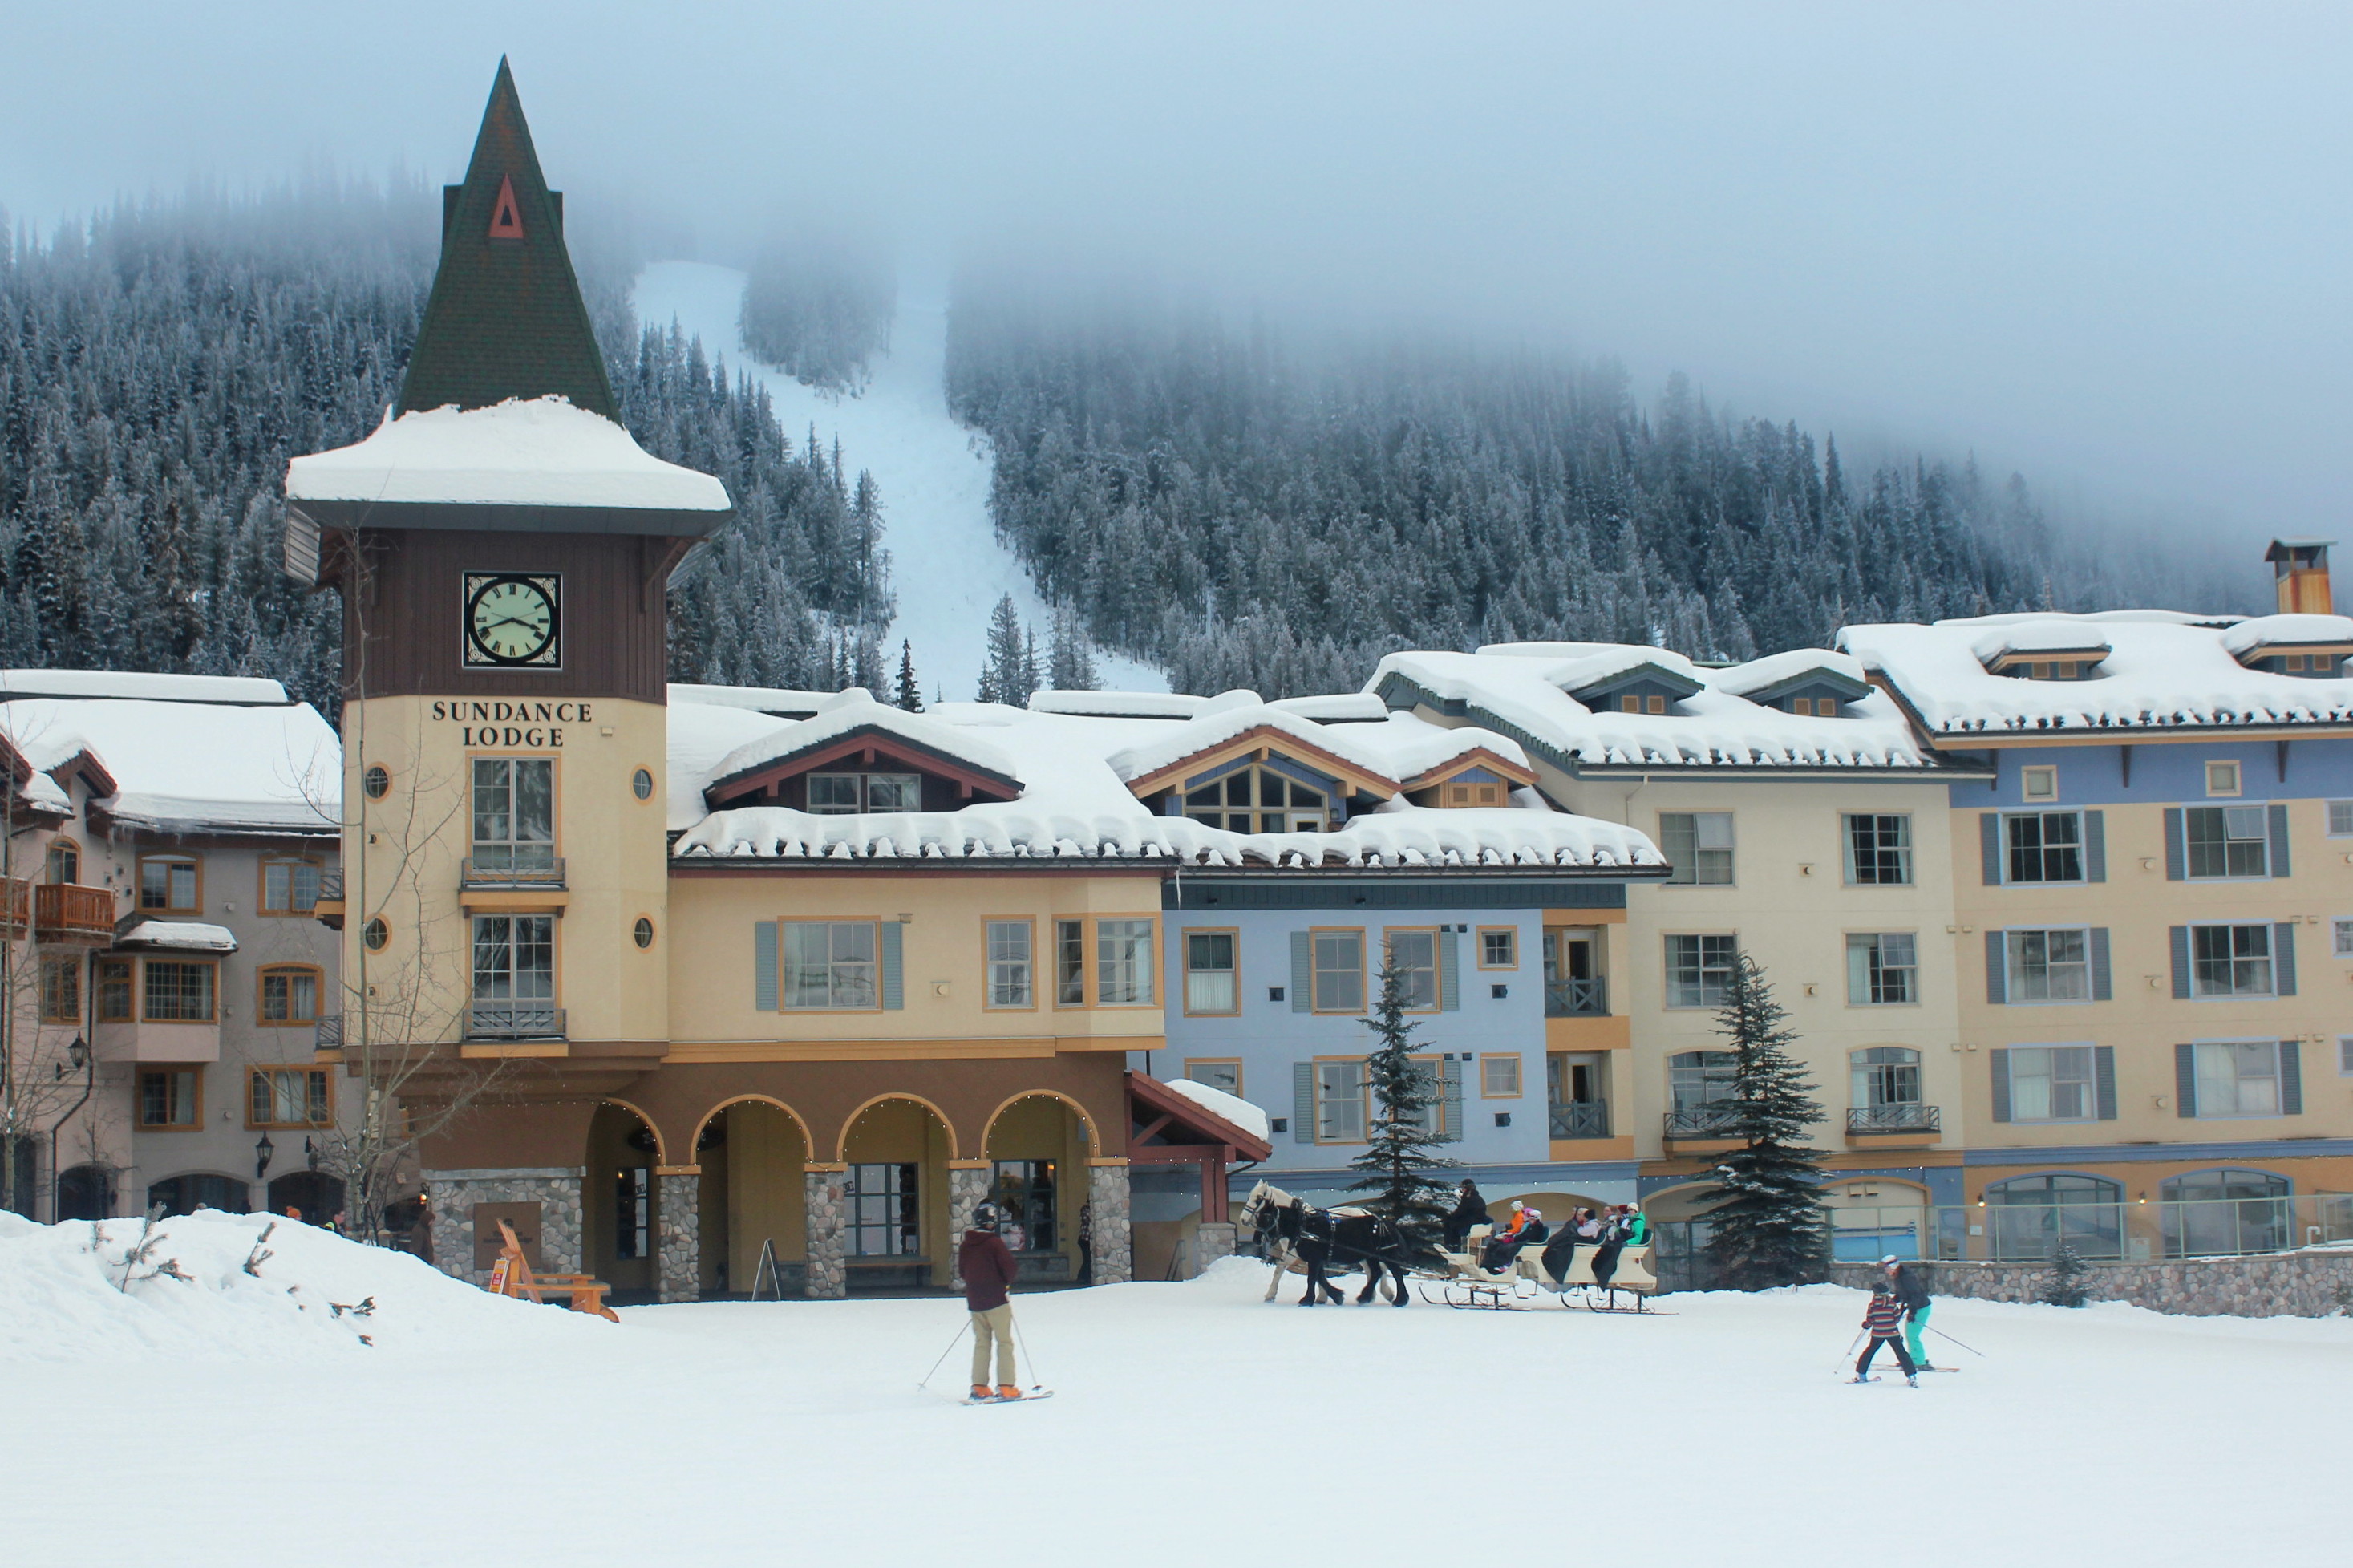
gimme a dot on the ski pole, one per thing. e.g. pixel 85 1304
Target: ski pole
pixel 1942 1335
pixel 1850 1347
pixel 944 1356
pixel 1035 1380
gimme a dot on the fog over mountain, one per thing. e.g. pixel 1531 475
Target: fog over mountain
pixel 2100 244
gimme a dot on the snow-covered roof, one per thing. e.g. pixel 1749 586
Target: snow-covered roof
pixel 1075 802
pixel 2288 632
pixel 191 936
pixel 188 766
pixel 138 684
pixel 540 452
pixel 784 702
pixel 2162 671
pixel 2045 637
pixel 855 711
pixel 1793 668
pixel 1117 704
pixel 1522 690
pixel 1340 707
pixel 1218 1102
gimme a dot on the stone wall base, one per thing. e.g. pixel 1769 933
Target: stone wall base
pixel 452 1195
pixel 1107 1215
pixel 679 1248
pixel 2313 1284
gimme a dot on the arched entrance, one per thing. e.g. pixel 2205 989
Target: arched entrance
pixel 753 1199
pixel 1679 1230
pixel 186 1194
pixel 1036 1150
pixel 86 1192
pixel 895 1232
pixel 1874 1217
pixel 314 1198
pixel 618 1202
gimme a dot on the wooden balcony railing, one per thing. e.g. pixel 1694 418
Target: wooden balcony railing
pixel 15 905
pixel 64 912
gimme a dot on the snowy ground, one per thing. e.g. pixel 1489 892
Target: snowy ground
pixel 948 568
pixel 1192 1424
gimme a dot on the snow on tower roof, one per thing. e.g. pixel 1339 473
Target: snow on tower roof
pixel 540 452
pixel 1522 690
pixel 2163 671
pixel 192 767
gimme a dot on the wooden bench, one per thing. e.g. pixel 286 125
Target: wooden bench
pixel 512 1276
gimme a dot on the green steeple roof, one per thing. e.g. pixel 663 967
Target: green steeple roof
pixel 505 319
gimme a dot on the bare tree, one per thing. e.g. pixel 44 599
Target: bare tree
pixel 42 1079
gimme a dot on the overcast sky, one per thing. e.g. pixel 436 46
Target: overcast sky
pixel 2107 244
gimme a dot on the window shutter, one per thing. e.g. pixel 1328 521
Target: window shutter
pixel 2279 839
pixel 894 990
pixel 1997 979
pixel 2290 1071
pixel 2104 1080
pixel 2175 853
pixel 763 966
pixel 1303 986
pixel 2185 1078
pixel 1302 1100
pixel 1989 846
pixel 2095 846
pixel 1450 1129
pixel 2000 1085
pixel 1450 985
pixel 2180 935
pixel 2103 986
pixel 2283 958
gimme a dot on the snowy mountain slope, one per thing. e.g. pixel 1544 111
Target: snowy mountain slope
pixel 946 565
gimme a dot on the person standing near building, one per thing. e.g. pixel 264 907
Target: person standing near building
pixel 987 1265
pixel 1914 1298
pixel 1884 1320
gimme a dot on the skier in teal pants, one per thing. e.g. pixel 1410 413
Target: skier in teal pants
pixel 1913 1297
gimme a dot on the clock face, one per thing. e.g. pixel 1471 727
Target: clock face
pixel 510 620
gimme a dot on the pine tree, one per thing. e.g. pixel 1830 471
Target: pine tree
pixel 2070 1282
pixel 1002 677
pixel 1396 1163
pixel 1769 1226
pixel 910 695
pixel 1073 667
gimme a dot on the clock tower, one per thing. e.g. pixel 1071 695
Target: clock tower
pixel 503 548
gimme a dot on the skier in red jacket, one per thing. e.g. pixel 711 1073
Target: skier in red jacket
pixel 987 1266
pixel 1884 1316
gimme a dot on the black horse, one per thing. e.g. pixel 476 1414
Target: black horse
pixel 1320 1237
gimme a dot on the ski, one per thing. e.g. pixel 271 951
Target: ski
pixel 1033 1395
pixel 1872 1378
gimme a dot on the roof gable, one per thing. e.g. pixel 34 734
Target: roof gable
pixel 1479 761
pixel 505 319
pixel 1262 737
pixel 855 725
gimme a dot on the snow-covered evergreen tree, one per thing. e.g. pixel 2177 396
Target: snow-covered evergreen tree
pixel 2070 1283
pixel 1769 1226
pixel 1072 663
pixel 1394 1169
pixel 1005 675
pixel 909 696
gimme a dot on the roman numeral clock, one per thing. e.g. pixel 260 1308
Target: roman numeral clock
pixel 513 620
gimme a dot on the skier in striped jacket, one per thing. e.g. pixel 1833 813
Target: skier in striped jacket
pixel 1884 1319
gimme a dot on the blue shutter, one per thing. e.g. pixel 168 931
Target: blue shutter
pixel 1303 980
pixel 2279 839
pixel 2185 1080
pixel 1989 846
pixel 2104 1080
pixel 2002 1085
pixel 2176 853
pixel 2181 937
pixel 1450 985
pixel 2103 987
pixel 764 965
pixel 1302 1102
pixel 2283 958
pixel 894 990
pixel 2291 1077
pixel 1450 1129
pixel 1996 978
pixel 2095 846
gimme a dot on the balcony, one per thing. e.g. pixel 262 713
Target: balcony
pixel 1579 1119
pixel 330 906
pixel 1886 1126
pixel 1579 996
pixel 328 1032
pixel 515 1020
pixel 1704 1129
pixel 123 1040
pixel 64 912
pixel 547 873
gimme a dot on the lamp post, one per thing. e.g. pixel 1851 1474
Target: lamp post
pixel 261 1153
pixel 85 1062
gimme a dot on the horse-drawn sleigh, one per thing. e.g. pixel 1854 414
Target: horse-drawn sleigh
pixel 1597 1276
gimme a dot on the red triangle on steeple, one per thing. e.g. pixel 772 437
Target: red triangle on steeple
pixel 506 217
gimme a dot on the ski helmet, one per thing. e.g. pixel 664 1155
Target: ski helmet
pixel 985 1218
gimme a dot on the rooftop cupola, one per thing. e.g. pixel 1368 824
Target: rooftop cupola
pixel 2301 568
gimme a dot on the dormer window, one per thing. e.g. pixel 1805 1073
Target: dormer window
pixel 2052 669
pixel 1633 704
pixel 1474 794
pixel 843 794
pixel 1258 801
pixel 1814 708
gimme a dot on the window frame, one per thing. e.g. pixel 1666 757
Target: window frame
pixel 1875 968
pixel 1148 967
pixel 2191 848
pixel 2043 850
pixel 2012 967
pixel 1700 967
pixel 2337 816
pixel 1233 970
pixel 110 970
pixel 1256 809
pixel 1702 1073
pixel 1730 850
pixel 319 1077
pixel 2090 1083
pixel 1853 851
pixel 2032 773
pixel 1364 1099
pixel 1071 960
pixel 1519 1075
pixel 554 809
pixel 873 925
pixel 988 962
pixel 69 845
pixel 261 905
pixel 54 964
pixel 2269 959
pixel 261 978
pixel 1864 1075
pixel 195 1074
pixel 2199 1049
pixel 1390 934
pixel 147 990
pixel 2340 936
pixel 1234 1062
pixel 1510 935
pixel 2225 780
pixel 168 859
pixel 1316 971
pixel 554 956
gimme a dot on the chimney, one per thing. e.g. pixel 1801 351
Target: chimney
pixel 2301 567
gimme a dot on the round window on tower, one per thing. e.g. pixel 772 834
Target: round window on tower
pixel 376 781
pixel 641 785
pixel 644 932
pixel 376 935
